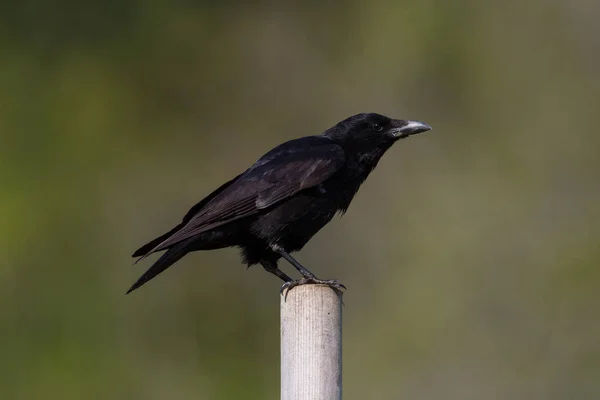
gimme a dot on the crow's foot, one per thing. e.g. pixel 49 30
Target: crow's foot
pixel 332 283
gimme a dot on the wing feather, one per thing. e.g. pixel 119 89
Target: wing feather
pixel 262 186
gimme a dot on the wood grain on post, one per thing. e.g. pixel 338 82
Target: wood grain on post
pixel 311 343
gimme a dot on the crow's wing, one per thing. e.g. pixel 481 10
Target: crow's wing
pixel 268 182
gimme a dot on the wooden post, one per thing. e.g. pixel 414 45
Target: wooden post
pixel 311 343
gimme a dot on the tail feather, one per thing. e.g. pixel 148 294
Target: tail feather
pixel 145 249
pixel 165 261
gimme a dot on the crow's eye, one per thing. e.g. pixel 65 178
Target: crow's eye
pixel 376 127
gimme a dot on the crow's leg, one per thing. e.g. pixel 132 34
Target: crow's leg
pixel 271 266
pixel 305 273
pixel 309 277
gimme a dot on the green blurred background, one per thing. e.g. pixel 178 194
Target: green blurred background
pixel 471 254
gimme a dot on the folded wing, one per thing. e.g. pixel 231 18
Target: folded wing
pixel 267 183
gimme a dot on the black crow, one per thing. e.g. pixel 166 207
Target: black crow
pixel 275 206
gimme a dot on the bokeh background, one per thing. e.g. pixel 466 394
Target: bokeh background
pixel 472 254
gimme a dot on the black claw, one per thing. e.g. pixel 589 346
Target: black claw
pixel 332 283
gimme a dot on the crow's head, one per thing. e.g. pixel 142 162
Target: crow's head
pixel 366 133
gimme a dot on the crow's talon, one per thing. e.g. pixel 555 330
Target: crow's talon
pixel 332 283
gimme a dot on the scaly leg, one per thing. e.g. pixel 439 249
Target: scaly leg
pixel 271 266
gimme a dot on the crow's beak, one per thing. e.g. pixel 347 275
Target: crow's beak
pixel 404 128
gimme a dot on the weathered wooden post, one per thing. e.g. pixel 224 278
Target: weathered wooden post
pixel 311 343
